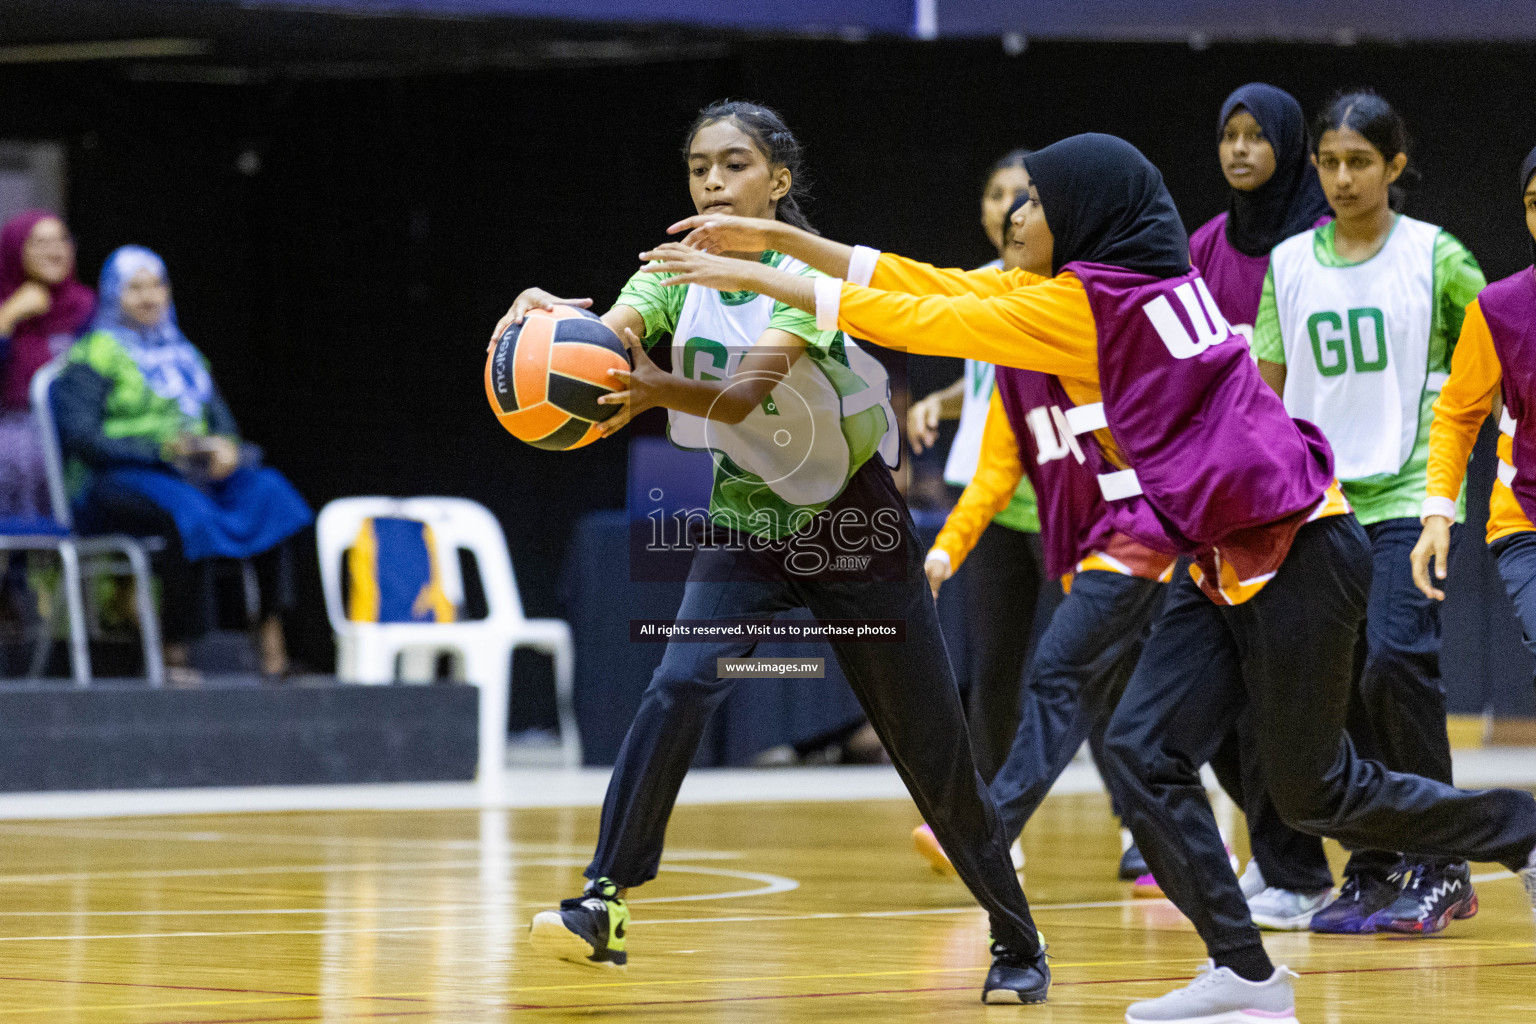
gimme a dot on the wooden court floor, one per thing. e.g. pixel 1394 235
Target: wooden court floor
pixel 762 912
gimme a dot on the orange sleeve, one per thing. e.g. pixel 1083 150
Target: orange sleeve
pixel 895 273
pixel 1047 326
pixel 1463 405
pixel 998 472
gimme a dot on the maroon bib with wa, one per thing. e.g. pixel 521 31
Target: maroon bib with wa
pixel 1208 445
pixel 1074 521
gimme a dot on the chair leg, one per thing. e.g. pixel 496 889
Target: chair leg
pixel 565 705
pixel 418 664
pixel 251 591
pixel 44 642
pixel 374 662
pixel 74 602
pixel 149 617
pixel 490 668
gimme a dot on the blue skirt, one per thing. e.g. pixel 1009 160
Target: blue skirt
pixel 248 512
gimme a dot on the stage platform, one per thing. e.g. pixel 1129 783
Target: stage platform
pixel 233 731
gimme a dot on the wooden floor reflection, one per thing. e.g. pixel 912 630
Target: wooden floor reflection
pixel 765 912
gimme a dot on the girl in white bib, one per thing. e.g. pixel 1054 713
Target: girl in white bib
pixel 1355 330
pixel 793 418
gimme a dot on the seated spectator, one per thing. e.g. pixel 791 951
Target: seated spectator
pixel 155 452
pixel 43 309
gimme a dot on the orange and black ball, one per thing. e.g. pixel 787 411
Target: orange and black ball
pixel 544 376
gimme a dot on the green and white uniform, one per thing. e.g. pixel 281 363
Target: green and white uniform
pixel 1367 347
pixel 793 454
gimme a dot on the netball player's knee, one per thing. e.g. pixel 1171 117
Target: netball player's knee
pixel 1392 676
pixel 1305 804
pixel 1127 751
pixel 678 683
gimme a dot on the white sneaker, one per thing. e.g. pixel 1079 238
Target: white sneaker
pixel 1284 910
pixel 1218 996
pixel 1016 851
pixel 1252 880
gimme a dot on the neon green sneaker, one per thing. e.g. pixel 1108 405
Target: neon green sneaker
pixel 586 930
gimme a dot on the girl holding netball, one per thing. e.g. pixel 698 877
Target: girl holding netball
pixel 794 415
pixel 1355 330
pixel 1187 443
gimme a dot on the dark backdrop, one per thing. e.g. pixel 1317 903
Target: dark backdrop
pixel 341 249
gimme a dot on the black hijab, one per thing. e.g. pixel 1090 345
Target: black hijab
pixel 1292 200
pixel 1528 169
pixel 1105 203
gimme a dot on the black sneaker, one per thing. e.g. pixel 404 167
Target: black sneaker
pixel 1016 978
pixel 1361 898
pixel 1132 864
pixel 586 930
pixel 1434 896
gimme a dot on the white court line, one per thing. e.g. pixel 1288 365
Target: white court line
pixel 426 908
pixel 523 787
pixel 257 869
pixel 438 908
pixel 771 883
pixel 341 842
pixel 315 869
pixel 835 915
pixel 66 831
pixel 1491 876
pixel 234 935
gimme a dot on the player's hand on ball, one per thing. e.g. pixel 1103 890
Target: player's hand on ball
pixel 923 423
pixel 937 569
pixel 725 233
pixel 644 383
pixel 531 299
pixel 1434 542
pixel 695 266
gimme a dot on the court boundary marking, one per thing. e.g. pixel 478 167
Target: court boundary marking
pixel 510 1006
pixel 774 884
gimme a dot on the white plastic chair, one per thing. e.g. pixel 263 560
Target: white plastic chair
pixel 89 555
pixel 366 652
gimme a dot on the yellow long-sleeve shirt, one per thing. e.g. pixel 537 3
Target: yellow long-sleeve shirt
pixel 991 315
pixel 998 472
pixel 1464 402
pixel 1015 318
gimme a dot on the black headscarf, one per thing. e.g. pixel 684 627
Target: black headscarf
pixel 1528 169
pixel 1105 203
pixel 1292 200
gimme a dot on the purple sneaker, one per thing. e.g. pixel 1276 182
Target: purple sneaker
pixel 1361 898
pixel 1432 898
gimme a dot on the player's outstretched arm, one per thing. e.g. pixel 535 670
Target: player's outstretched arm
pixel 716 233
pixel 688 265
